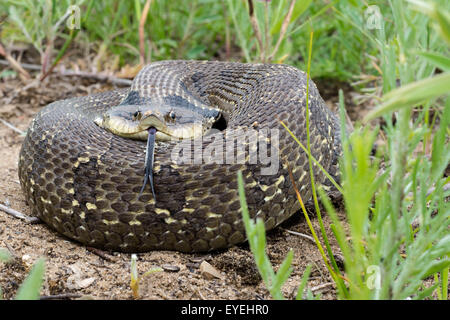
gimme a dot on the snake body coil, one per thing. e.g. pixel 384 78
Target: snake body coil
pixel 85 182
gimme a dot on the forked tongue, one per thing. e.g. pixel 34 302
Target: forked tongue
pixel 149 157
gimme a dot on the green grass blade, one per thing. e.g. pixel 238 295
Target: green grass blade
pixel 303 283
pixel 5 256
pixel 313 183
pixel 284 271
pixel 412 94
pixel 444 283
pixel 257 241
pixel 437 59
pixel 299 8
pixel 30 288
pixel 426 293
pixel 317 163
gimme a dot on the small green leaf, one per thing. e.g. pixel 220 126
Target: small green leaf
pixel 299 8
pixel 444 283
pixel 196 51
pixel 443 19
pixel 412 94
pixel 436 266
pixel 426 293
pixel 8 73
pixel 437 59
pixel 303 283
pixel 442 247
pixel 30 288
pixel 284 271
pixel 440 154
pixel 5 256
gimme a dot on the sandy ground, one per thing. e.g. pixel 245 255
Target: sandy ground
pixel 76 271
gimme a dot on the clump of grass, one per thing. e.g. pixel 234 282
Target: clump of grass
pixel 256 232
pixel 121 33
pixel 395 238
pixel 256 236
pixel 187 29
pixel 387 259
pixel 262 27
pixel 39 23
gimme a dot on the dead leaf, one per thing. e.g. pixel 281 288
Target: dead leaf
pixel 76 281
pixel 209 272
pixel 128 71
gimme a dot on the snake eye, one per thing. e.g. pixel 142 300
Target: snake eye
pixel 172 115
pixel 137 115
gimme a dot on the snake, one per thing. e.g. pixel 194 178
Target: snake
pixel 154 166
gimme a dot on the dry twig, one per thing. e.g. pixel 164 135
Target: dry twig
pixel 284 27
pixel 97 76
pixel 301 235
pixel 100 253
pixel 23 74
pixel 63 72
pixel 141 31
pixel 256 29
pixel 322 286
pixel 18 214
pixel 61 296
pixel 9 125
pixel 29 66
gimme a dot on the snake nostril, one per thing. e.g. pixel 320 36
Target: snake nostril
pixel 220 124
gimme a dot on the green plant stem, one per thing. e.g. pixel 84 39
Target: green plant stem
pixel 317 163
pixel 238 31
pixel 311 171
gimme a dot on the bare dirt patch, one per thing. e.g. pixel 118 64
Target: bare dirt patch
pixel 73 268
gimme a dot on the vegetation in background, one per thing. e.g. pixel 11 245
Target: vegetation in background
pixel 398 219
pixel 256 236
pixel 199 29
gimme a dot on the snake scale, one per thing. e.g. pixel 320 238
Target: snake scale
pixel 85 182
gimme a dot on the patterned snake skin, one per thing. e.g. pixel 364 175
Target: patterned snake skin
pixel 84 181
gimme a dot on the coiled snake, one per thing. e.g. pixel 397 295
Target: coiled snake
pixel 86 182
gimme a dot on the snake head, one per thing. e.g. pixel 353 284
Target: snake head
pixel 171 120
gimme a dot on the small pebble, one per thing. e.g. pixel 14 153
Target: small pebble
pixel 170 268
pixel 26 259
pixel 196 259
pixel 209 272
